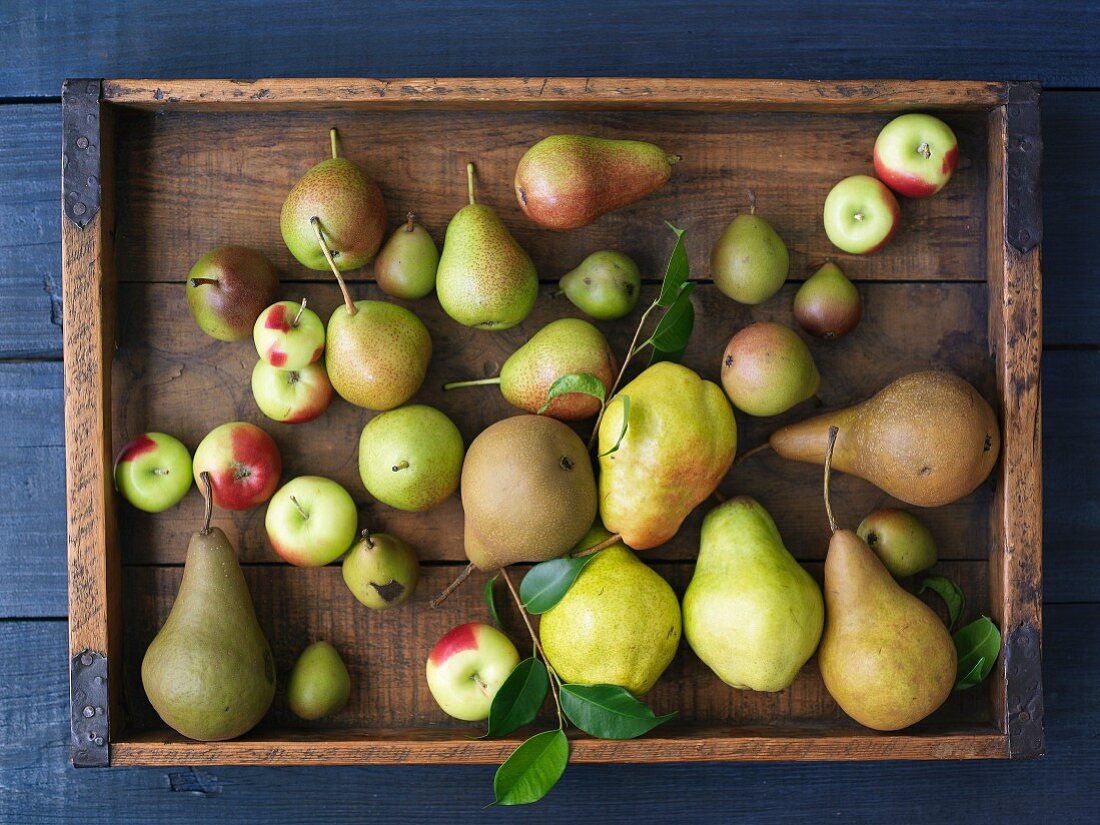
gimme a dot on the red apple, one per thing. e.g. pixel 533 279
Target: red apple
pixel 467 667
pixel 243 463
pixel 915 155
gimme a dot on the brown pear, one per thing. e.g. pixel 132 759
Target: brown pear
pixel 927 439
pixel 528 492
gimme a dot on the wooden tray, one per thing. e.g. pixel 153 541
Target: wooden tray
pixel 156 173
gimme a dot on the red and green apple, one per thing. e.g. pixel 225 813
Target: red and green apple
pixel 291 396
pixel 916 154
pixel 153 472
pixel 311 521
pixel 467 667
pixel 289 335
pixel 861 214
pixel 243 462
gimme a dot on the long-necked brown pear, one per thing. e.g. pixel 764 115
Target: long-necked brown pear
pixel 339 198
pixel 928 438
pixel 885 656
pixel 209 672
pixel 751 612
pixel 567 181
pixel 568 346
pixel 678 444
pixel 484 279
pixel 528 492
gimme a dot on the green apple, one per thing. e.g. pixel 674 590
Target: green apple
pixel 289 335
pixel 916 154
pixel 291 396
pixel 411 458
pixel 153 472
pixel 319 683
pixel 861 214
pixel 311 521
pixel 243 462
pixel 381 571
pixel 467 667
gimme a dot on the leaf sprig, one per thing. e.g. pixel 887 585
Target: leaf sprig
pixel 977 645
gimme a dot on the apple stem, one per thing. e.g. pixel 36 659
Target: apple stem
pixel 196 282
pixel 475 382
pixel 365 535
pixel 411 217
pixel 400 465
pixel 828 472
pixel 160 471
pixel 453 586
pixel 470 181
pixel 749 453
pixel 332 140
pixel 596 548
pixel 924 150
pixel 858 216
pixel 298 317
pixel 674 158
pixel 752 202
pixel 315 222
pixel 208 507
pixel 556 681
pixel 301 512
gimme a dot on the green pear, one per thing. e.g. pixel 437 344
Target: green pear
pixel 411 458
pixel 751 612
pixel 606 285
pixel 381 570
pixel 338 202
pixel 407 263
pixel 319 683
pixel 678 444
pixel 228 288
pixel 619 624
pixel 750 262
pixel 767 369
pixel 828 304
pixel 209 672
pixel 901 541
pixel 485 279
pixel 564 347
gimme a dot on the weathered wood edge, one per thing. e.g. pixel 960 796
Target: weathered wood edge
pixel 556 92
pixel 88 307
pixel 1015 334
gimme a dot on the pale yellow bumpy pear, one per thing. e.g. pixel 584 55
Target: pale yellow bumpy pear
pixel 679 443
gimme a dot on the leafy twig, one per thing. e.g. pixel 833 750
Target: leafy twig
pixel 555 681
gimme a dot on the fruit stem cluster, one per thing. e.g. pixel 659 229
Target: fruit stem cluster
pixel 555 681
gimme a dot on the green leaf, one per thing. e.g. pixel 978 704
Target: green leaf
pixel 532 770
pixel 626 423
pixel 547 583
pixel 518 700
pixel 575 382
pixel 950 592
pixel 489 600
pixel 977 646
pixel 608 711
pixel 670 338
pixel 676 272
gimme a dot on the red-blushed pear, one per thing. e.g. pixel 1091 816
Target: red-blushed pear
pixel 861 214
pixel 243 462
pixel 311 521
pixel 407 263
pixel 153 472
pixel 767 369
pixel 291 396
pixel 828 305
pixel 289 336
pixel 916 154
pixel 466 668
pixel 228 288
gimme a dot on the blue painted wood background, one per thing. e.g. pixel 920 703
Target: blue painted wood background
pixel 45 41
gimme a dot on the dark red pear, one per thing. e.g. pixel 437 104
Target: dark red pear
pixel 228 288
pixel 828 304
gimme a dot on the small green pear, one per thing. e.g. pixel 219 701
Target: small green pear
pixel 485 279
pixel 619 624
pixel 411 458
pixel 407 263
pixel 901 541
pixel 319 683
pixel 750 261
pixel 381 570
pixel 767 369
pixel 828 304
pixel 751 612
pixel 605 285
pixel 568 346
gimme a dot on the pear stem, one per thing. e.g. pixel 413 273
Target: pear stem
pixel 208 507
pixel 828 473
pixel 596 548
pixel 538 645
pixel 470 181
pixel 453 586
pixel 411 217
pixel 752 202
pixel 332 140
pixel 298 317
pixel 400 465
pixel 630 353
pixel 196 282
pixel 315 222
pixel 750 453
pixel 475 382
pixel 674 158
pixel 365 535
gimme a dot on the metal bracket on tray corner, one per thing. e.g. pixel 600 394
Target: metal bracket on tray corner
pixel 88 702
pixel 1024 215
pixel 80 160
pixel 1023 663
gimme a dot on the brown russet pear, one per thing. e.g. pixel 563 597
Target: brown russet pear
pixel 750 261
pixel 407 263
pixel 885 656
pixel 528 492
pixel 828 305
pixel 337 199
pixel 567 181
pixel 927 439
pixel 484 279
pixel 767 369
pixel 679 443
pixel 209 672
pixel 568 346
